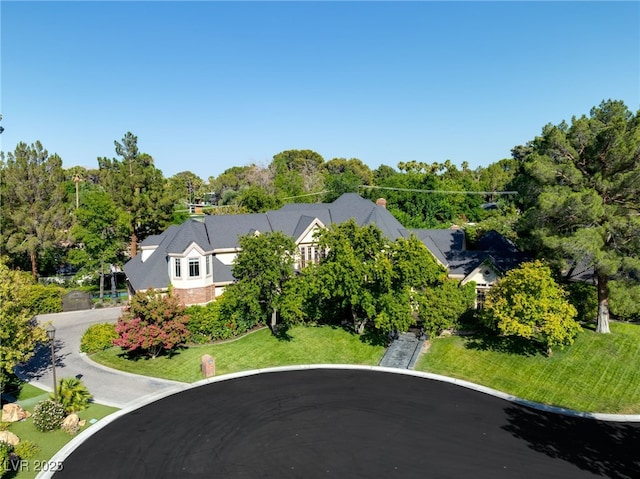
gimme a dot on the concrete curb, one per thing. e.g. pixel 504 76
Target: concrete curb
pixel 71 446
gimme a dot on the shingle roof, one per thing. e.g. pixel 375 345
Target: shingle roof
pixel 222 232
pixel 450 249
pixel 191 231
pixel 154 272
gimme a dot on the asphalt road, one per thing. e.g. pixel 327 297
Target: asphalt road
pixel 107 386
pixel 350 424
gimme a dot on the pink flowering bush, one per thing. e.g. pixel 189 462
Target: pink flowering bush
pixel 151 324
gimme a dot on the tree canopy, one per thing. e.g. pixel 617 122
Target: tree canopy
pixel 580 189
pixel 19 332
pixel 262 268
pixel 138 188
pixel 527 302
pixel 35 210
pixel 102 230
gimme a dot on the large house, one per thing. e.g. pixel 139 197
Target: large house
pixel 195 258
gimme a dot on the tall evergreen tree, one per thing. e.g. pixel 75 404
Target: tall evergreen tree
pixel 138 188
pixel 580 187
pixel 35 208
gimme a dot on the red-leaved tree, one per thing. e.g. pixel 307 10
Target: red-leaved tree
pixel 152 323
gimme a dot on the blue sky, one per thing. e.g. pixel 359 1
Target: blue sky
pixel 209 85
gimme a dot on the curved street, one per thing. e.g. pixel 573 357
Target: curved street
pixel 113 388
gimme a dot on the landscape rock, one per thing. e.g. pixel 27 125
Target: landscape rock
pixel 71 423
pixel 13 412
pixel 9 438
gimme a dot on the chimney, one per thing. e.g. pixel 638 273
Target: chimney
pixel 381 202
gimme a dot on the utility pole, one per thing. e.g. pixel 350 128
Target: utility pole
pixel 77 180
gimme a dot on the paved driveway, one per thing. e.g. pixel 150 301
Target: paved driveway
pixel 107 386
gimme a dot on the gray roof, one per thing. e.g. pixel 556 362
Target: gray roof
pixel 449 247
pixel 154 272
pixel 223 232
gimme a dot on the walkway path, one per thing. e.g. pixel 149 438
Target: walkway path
pixel 108 386
pixel 403 352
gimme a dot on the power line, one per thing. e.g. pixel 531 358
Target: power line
pixel 446 192
pixel 308 194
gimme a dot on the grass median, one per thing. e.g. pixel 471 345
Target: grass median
pixel 598 373
pixel 259 349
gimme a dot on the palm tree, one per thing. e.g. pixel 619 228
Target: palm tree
pixel 73 394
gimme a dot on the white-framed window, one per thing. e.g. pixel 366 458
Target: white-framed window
pixel 310 255
pixel 481 295
pixel 207 264
pixel 194 267
pixel 177 267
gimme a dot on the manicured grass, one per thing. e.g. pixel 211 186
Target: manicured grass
pixel 598 373
pixel 260 349
pixel 49 442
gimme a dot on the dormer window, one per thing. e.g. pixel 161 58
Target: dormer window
pixel 194 267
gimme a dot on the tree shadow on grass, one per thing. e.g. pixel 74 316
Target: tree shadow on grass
pixel 374 337
pixel 608 449
pixel 281 332
pixel 138 355
pixel 487 340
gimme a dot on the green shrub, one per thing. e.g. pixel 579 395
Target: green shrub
pixel 98 337
pixel 48 415
pixel 44 299
pixel 584 298
pixel 206 324
pixel 73 394
pixel 5 457
pixel 26 449
pixel 624 300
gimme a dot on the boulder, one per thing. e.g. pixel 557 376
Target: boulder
pixel 9 438
pixel 71 423
pixel 13 412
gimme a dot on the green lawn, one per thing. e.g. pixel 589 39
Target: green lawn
pixel 260 349
pixel 49 442
pixel 598 373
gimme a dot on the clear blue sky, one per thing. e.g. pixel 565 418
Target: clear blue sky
pixel 210 85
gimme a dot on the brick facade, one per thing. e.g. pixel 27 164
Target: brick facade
pixel 191 296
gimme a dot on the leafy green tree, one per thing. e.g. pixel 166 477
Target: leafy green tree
pixel 497 176
pixel 255 199
pixel 350 279
pixel 138 188
pixel 19 332
pixel 35 210
pixel 262 268
pixel 527 302
pixel 297 172
pixel 345 176
pixel 186 186
pixel 580 187
pixel 367 279
pixel 152 323
pixel 441 306
pixel 102 231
